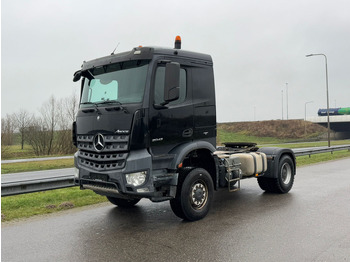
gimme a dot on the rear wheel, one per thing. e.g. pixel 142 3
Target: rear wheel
pixel 285 177
pixel 194 195
pixel 120 202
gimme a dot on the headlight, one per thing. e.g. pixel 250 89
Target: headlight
pixel 136 179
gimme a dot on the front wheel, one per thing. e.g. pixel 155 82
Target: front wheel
pixel 194 195
pixel 124 203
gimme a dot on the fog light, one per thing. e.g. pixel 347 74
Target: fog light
pixel 76 173
pixel 142 190
pixel 136 179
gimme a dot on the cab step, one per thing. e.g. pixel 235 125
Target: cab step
pixel 233 182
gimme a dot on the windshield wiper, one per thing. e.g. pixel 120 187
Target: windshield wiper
pixel 117 108
pixel 88 110
pixel 87 103
pixel 96 105
pixel 110 102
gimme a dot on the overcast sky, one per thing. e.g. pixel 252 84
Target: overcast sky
pixel 257 47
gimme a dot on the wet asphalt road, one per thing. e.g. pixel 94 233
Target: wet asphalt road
pixel 311 223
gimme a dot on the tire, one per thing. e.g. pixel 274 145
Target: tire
pixel 285 178
pixel 194 195
pixel 286 174
pixel 123 203
pixel 175 203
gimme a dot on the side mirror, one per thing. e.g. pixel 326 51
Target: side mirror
pixel 74 133
pixel 77 76
pixel 172 82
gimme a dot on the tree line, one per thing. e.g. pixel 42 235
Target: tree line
pixel 47 132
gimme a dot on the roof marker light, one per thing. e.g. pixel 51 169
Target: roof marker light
pixel 177 42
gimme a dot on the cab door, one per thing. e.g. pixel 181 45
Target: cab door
pixel 170 124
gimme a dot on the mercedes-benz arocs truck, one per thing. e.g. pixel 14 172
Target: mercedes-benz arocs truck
pixel 146 128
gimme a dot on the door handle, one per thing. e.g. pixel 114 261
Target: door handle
pixel 187 132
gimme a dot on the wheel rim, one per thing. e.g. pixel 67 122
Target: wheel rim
pixel 199 194
pixel 286 173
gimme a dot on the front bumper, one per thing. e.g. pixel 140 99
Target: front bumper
pixel 159 185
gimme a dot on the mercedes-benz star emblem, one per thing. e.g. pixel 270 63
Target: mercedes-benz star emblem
pixel 99 142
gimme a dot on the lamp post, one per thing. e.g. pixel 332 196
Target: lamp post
pixel 287 98
pixel 305 107
pixel 305 113
pixel 282 104
pixel 328 124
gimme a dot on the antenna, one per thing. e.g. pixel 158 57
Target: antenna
pixel 115 48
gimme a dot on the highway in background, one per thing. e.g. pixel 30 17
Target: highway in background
pixel 311 223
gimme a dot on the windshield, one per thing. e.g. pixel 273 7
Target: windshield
pixel 121 83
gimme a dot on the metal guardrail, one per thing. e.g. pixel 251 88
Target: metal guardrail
pixel 29 182
pixel 36 186
pixel 318 150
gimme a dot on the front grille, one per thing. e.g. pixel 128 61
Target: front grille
pixel 112 156
pixel 112 143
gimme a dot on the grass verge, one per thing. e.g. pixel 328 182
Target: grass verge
pixel 16 152
pixel 27 205
pixel 36 166
pixel 313 159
